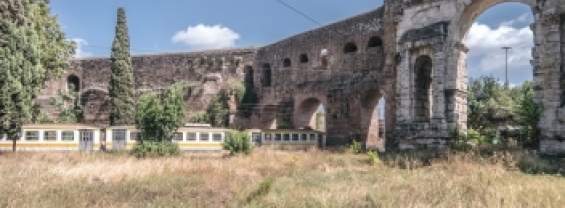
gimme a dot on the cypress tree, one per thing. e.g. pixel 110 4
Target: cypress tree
pixel 121 82
pixel 21 72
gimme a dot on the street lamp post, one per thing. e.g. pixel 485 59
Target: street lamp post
pixel 506 48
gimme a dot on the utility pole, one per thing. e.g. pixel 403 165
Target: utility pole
pixel 506 48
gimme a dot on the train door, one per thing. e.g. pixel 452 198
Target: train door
pixel 86 139
pixel 256 137
pixel 118 139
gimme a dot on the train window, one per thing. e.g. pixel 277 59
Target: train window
pixel 191 136
pixel 177 136
pixel 304 137
pixel 119 134
pixel 312 137
pixel 133 136
pixel 295 137
pixel 68 136
pixel 32 135
pixel 204 137
pixel 267 137
pixel 278 137
pixel 217 137
pixel 50 136
pixel 286 137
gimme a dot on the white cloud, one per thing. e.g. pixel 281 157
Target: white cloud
pixel 524 18
pixel 206 37
pixel 80 52
pixel 486 43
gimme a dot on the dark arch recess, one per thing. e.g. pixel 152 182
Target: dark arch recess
pixel 350 48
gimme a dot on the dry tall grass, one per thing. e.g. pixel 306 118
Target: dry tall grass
pixel 281 179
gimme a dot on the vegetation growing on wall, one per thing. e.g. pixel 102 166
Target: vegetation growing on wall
pixel 68 106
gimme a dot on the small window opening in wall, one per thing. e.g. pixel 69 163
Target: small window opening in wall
pixel 303 58
pixel 350 48
pixel 73 83
pixel 286 62
pixel 375 42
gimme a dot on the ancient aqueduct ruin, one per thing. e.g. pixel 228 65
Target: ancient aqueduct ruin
pixel 409 52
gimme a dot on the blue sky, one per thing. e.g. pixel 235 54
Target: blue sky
pixel 183 25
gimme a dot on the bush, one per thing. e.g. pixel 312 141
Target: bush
pixel 373 157
pixel 355 147
pixel 155 149
pixel 238 142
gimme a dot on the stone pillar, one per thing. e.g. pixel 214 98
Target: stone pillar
pixel 456 87
pixel 403 87
pixel 550 52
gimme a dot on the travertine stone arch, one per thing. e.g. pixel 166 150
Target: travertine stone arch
pixel 442 26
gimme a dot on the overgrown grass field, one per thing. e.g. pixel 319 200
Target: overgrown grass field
pixel 282 179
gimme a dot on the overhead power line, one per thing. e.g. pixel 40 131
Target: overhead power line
pixel 304 15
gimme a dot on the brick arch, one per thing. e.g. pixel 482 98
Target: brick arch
pixel 268 119
pixel 305 108
pixel 370 125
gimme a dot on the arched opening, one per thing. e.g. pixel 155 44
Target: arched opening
pixel 266 75
pixel 373 119
pixel 422 98
pixel 324 59
pixel 286 62
pixel 269 117
pixel 310 114
pixel 303 58
pixel 497 63
pixel 374 42
pixel 248 79
pixel 73 83
pixel 350 48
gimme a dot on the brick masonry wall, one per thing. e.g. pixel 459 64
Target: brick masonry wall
pixel 205 71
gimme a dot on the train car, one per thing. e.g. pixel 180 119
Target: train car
pixel 189 138
pixel 287 139
pixel 55 137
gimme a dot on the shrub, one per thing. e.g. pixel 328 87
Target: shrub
pixel 355 147
pixel 155 149
pixel 373 157
pixel 238 142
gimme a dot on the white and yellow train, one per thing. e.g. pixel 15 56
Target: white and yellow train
pixel 69 137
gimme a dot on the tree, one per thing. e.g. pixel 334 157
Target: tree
pixel 56 50
pixel 67 106
pixel 121 81
pixel 21 74
pixel 159 120
pixel 528 112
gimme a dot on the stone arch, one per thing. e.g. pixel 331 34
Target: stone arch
pixel 269 117
pixel 324 58
pixel 422 88
pixel 303 58
pixel 371 121
pixel 305 112
pixel 350 47
pixel 267 76
pixel 375 42
pixel 73 83
pixel 287 62
pixel 476 8
pixel 96 106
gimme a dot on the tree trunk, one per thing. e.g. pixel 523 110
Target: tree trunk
pixel 13 143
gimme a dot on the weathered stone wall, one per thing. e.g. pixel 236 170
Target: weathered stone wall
pixel 205 71
pixel 338 84
pixel 347 66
